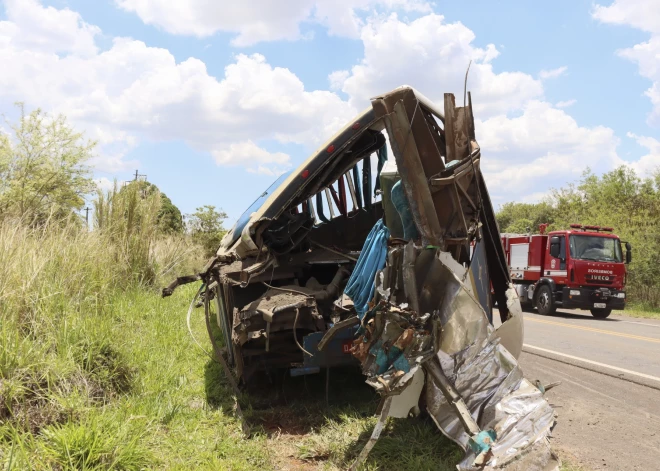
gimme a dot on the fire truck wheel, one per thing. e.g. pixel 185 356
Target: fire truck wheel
pixel 545 304
pixel 601 313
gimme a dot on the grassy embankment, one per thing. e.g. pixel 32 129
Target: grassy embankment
pixel 98 372
pixel 635 310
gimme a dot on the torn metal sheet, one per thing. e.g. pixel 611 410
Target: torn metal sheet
pixel 478 396
pixel 407 402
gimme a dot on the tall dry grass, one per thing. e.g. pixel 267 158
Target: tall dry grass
pixel 57 285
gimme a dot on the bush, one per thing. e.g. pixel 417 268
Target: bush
pixel 206 229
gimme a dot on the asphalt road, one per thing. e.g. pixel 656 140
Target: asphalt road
pixel 608 404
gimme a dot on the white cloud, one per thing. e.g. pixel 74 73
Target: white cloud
pixel 650 162
pixel 111 159
pixel 536 197
pixel 565 103
pixel 260 20
pixel 253 157
pixel 48 30
pixel 552 73
pixel 644 15
pixel 640 14
pixel 132 92
pixel 104 184
pixel 647 57
pixel 542 148
pixel 528 145
pixel 432 56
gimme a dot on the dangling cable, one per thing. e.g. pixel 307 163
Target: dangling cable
pixel 295 335
pixel 193 303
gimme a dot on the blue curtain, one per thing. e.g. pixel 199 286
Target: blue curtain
pixel 361 285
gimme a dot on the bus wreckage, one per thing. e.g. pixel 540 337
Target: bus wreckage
pixel 389 264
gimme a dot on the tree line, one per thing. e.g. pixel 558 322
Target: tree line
pixel 620 199
pixel 46 177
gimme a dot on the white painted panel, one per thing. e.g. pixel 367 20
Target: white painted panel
pixel 519 256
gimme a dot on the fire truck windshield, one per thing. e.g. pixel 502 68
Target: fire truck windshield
pixel 599 249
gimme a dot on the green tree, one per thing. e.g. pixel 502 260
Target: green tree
pixel 206 229
pixel 170 220
pixel 518 218
pixel 43 168
pixel 619 199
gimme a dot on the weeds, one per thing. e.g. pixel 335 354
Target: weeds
pixel 104 364
pixel 642 310
pixel 99 443
pixel 98 372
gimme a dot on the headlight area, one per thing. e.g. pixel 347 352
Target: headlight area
pixel 587 298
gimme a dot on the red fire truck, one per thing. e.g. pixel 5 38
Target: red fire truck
pixel 580 268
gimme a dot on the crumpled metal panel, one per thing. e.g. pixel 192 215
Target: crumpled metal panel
pixel 498 397
pixel 477 374
pixel 452 326
pixel 488 378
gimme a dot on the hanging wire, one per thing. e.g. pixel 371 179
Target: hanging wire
pixel 193 304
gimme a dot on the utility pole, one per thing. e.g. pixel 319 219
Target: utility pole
pixel 87 209
pixel 136 177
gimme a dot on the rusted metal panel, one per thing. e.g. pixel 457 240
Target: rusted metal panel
pixel 456 130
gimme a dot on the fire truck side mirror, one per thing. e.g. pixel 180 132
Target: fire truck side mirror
pixel 628 252
pixel 554 247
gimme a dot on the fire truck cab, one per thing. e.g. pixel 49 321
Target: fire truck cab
pixel 580 268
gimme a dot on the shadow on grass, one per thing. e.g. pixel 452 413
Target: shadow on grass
pixel 407 444
pixel 278 405
pixel 305 430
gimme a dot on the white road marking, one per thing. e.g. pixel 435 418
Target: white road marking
pixel 591 362
pixel 638 323
pixel 533 316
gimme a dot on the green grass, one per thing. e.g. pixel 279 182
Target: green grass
pixel 135 392
pixel 643 311
pixel 97 372
pixel 568 464
pixel 137 399
pixel 572 467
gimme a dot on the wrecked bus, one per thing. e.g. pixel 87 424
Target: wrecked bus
pixel 381 250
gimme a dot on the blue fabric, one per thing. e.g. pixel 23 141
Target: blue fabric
pixel 483 441
pixel 386 359
pixel 361 285
pixel 402 207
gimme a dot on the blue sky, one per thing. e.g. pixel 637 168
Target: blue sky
pixel 212 101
